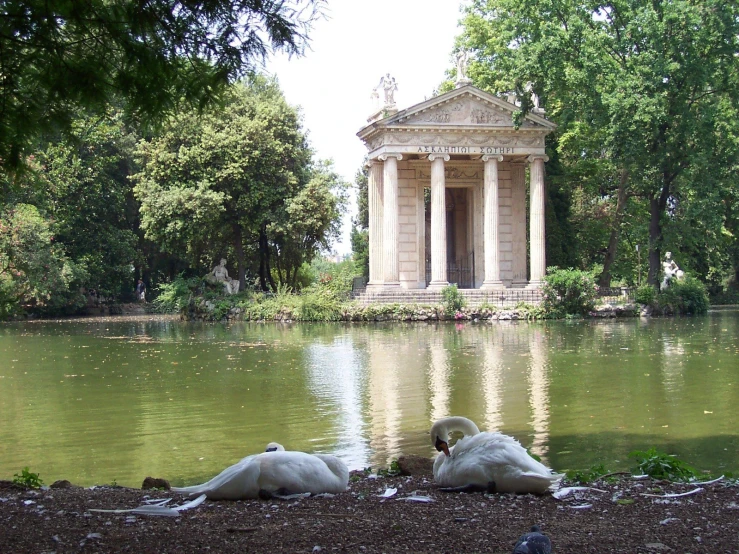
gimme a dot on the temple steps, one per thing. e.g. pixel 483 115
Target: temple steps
pixel 503 298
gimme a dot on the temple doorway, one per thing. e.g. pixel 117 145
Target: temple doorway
pixel 460 253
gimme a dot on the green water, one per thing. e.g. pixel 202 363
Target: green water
pixel 102 400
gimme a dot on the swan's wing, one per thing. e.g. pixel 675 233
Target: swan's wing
pixel 232 483
pixel 298 472
pixel 487 457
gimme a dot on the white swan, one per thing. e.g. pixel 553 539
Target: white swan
pixel 275 471
pixel 481 461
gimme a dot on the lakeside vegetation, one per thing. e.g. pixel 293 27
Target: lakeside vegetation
pixel 566 294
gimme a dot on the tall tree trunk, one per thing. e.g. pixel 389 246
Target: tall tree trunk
pixel 605 277
pixel 240 262
pixel 263 255
pixel 656 209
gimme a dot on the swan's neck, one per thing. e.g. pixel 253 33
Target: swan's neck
pixel 445 427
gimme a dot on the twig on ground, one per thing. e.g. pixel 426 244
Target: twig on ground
pixel 694 491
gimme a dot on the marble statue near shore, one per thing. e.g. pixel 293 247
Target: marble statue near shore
pixel 220 275
pixel 670 271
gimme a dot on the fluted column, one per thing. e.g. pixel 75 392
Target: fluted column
pixel 518 225
pixel 375 208
pixel 438 222
pixel 390 272
pixel 490 226
pixel 536 221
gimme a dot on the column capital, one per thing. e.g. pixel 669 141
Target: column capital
pixel 369 163
pixel 383 157
pixel 445 157
pixel 498 157
pixel 533 157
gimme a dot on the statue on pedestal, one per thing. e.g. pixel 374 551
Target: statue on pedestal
pixel 462 57
pixel 220 275
pixel 389 86
pixel 670 271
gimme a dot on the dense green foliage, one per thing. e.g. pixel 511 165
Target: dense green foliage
pixel 239 182
pixel 35 271
pixel 645 95
pixel 360 224
pixel 686 296
pixel 59 56
pixel 568 292
pixel 645 294
pixel 659 465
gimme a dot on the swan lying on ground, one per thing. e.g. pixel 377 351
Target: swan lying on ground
pixel 275 471
pixel 486 461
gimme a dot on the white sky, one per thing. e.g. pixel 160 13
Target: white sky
pixel 358 43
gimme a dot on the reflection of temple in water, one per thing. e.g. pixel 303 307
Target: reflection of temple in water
pixel 495 375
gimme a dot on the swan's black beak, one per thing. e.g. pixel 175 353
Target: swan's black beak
pixel 441 446
pixel 273 449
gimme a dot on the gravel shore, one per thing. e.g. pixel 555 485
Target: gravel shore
pixel 619 517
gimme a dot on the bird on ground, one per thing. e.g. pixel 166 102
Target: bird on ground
pixel 275 471
pixel 533 542
pixel 487 462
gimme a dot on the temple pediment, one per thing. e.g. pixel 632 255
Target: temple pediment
pixel 463 107
pixel 465 121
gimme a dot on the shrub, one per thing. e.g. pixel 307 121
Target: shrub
pixel 586 476
pixel 659 465
pixel 645 294
pixel 452 299
pixel 28 479
pixel 568 292
pixel 173 297
pixel 320 304
pixel 687 296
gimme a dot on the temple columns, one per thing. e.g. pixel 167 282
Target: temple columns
pixel 438 222
pixel 391 276
pixel 536 221
pixel 375 208
pixel 490 223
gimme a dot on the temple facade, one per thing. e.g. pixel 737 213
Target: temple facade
pixel 448 193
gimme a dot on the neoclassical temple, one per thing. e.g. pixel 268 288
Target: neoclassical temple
pixel 447 193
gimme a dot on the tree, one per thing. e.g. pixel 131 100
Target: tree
pixel 222 182
pixel 311 220
pixel 34 269
pixel 88 195
pixel 57 56
pixel 652 81
pixel 360 224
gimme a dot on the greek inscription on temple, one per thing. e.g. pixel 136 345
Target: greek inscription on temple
pixel 464 150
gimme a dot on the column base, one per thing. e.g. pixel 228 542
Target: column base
pixel 375 286
pixel 492 285
pixel 437 285
pixel 390 285
pixel 534 285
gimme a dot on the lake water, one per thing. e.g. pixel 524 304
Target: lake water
pixel 98 401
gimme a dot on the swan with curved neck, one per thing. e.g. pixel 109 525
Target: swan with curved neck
pixel 486 461
pixel 275 471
